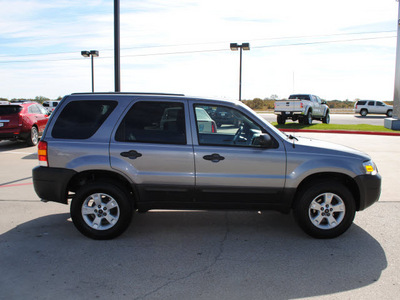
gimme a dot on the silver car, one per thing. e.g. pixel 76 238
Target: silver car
pixel 112 154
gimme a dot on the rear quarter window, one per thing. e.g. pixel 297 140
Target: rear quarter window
pixel 9 109
pixel 361 102
pixel 81 119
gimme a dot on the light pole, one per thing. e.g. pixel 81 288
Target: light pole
pixel 235 47
pixel 91 53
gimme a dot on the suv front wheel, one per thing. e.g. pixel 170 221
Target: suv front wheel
pixel 101 210
pixel 325 210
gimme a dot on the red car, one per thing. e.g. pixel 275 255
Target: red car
pixel 23 121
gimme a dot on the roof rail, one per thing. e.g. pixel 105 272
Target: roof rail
pixel 127 93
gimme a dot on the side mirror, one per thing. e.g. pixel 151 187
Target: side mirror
pixel 264 141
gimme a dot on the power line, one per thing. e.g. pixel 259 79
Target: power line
pixel 211 43
pixel 200 51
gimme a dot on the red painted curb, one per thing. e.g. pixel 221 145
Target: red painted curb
pixel 342 131
pixel 18 184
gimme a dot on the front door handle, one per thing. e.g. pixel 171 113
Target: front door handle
pixel 132 154
pixel 215 157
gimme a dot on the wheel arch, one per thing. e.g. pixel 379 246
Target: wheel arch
pixel 313 179
pixel 82 178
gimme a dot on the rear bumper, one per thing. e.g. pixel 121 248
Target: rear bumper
pixel 50 184
pixel 370 189
pixel 289 113
pixel 13 133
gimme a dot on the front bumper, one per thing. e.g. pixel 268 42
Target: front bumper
pixel 370 189
pixel 50 184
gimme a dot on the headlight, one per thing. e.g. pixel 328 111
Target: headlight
pixel 370 167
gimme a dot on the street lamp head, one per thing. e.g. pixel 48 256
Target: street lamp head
pixel 234 46
pixel 94 53
pixel 85 53
pixel 246 46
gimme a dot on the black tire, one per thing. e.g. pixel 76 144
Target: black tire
pixel 281 120
pixel 33 137
pixel 363 112
pixel 327 118
pixel 389 113
pixel 325 210
pixel 107 204
pixel 307 119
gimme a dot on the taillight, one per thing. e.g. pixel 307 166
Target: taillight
pixel 301 105
pixel 42 154
pixel 20 119
pixel 213 129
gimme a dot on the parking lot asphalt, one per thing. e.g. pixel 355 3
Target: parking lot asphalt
pixel 197 254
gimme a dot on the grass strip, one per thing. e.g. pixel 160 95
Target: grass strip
pixel 349 127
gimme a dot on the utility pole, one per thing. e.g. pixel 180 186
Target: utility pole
pixel 394 121
pixel 117 68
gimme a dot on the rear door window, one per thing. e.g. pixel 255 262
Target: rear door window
pixel 81 119
pixel 153 122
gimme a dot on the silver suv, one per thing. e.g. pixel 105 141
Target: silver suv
pixel 116 153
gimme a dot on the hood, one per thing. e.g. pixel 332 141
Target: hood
pixel 321 147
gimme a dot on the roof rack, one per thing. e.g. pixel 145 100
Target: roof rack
pixel 128 93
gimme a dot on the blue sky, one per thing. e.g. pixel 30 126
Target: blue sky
pixel 343 49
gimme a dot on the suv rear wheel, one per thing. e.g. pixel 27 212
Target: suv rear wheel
pixel 325 210
pixel 363 112
pixel 101 210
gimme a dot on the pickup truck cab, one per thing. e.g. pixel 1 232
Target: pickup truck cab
pixel 302 107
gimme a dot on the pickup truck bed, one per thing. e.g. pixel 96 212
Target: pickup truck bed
pixel 302 107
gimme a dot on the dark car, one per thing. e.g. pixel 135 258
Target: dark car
pixel 224 115
pixel 23 121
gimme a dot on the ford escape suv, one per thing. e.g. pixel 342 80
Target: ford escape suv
pixel 112 154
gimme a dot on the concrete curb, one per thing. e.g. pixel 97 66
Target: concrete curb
pixel 342 132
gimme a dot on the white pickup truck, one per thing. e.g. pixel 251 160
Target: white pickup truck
pixel 302 107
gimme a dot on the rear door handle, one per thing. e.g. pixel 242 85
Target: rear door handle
pixel 215 157
pixel 132 154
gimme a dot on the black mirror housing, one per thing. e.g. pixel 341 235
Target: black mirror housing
pixel 264 141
